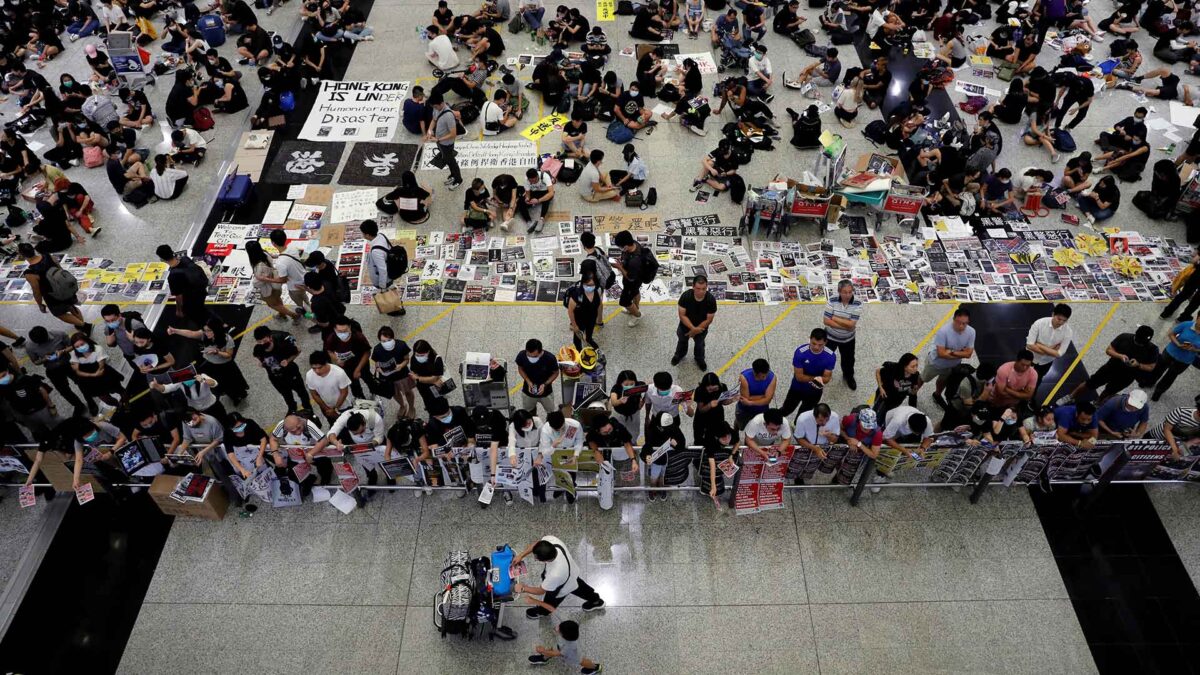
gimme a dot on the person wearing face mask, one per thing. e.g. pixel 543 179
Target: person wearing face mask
pixel 449 427
pixel 246 446
pixel 28 399
pixel 557 433
pixel 583 309
pixel 760 76
pixel 710 409
pixel 427 371
pixel 349 349
pixel 96 379
pixel 995 425
pixel 391 358
pixel 521 438
pixel 661 398
pixel 634 174
pixel 357 427
pixel 87 435
pixel 276 352
pixel 52 349
pixel 157 426
pixel 662 429
pixel 607 434
pixel 626 401
pixel 199 393
pixel 402 442
pixel 538 371
pixel 720 445
pixel 631 109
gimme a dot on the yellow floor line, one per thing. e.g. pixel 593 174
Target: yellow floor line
pixel 920 345
pixel 1079 357
pixel 756 339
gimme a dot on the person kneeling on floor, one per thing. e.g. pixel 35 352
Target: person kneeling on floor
pixel 168 181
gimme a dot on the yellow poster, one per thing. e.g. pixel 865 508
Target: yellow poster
pixel 540 128
pixel 606 10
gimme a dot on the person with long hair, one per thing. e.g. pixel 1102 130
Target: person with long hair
pixel 710 410
pixel 583 309
pixel 168 181
pixel 219 349
pixel 409 200
pixel 267 281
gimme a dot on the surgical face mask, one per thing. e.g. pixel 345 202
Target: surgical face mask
pixel 421 358
pixel 67 83
pixel 6 378
pixel 633 92
pixel 239 428
pixel 82 349
pixel 533 359
pixel 589 289
pixel 388 344
pixel 446 419
pixel 92 437
pixel 759 57
pixel 664 392
pixel 529 428
pixel 113 324
pixel 342 336
pixel 189 383
pixel 193 423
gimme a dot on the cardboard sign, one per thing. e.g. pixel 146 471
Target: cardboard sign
pixel 542 127
pixel 355 111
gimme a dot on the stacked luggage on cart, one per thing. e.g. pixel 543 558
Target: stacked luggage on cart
pixel 467 604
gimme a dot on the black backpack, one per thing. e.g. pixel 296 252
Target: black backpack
pixel 651 197
pixel 737 188
pixel 876 132
pixel 395 260
pixel 649 266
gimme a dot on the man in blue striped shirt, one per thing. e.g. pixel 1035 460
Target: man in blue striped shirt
pixel 841 322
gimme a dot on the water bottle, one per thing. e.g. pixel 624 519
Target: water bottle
pixel 502 562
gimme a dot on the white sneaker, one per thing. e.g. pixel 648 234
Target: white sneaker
pixel 633 321
pixel 504 225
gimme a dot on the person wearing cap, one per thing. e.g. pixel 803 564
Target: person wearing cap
pixel 768 433
pixel 661 429
pixel 1076 424
pixel 1178 354
pixel 1124 416
pixel 906 424
pixel 860 430
pixel 1130 356
pixel 1181 429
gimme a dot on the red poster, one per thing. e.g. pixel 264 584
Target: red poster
pixel 745 498
pixel 905 206
pixel 770 495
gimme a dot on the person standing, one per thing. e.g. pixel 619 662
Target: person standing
pixel 267 282
pixel 52 350
pixel 1015 382
pixel 560 578
pixel 1178 354
pixel 812 366
pixel 326 308
pixel 391 357
pixel 328 386
pixel 597 261
pixel 188 284
pixel 378 248
pixel 445 130
pixel 1130 356
pixel 219 349
pixel 119 328
pixel 350 350
pixel 756 390
pixel 49 286
pixel 276 352
pixel 626 401
pixel 583 309
pixel 841 321
pixel 953 343
pixel 538 371
pixel 27 398
pixel 631 267
pixel 1186 291
pixel 1049 338
pixel 697 309
pixel 289 267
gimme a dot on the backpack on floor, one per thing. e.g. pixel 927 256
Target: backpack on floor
pixel 619 133
pixel 202 119
pixel 876 132
pixel 651 197
pixel 737 189
pixel 1063 141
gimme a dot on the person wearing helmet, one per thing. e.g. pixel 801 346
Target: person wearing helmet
pixel 661 430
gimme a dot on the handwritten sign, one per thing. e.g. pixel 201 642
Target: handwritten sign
pixel 606 10
pixel 485 155
pixel 542 127
pixel 355 111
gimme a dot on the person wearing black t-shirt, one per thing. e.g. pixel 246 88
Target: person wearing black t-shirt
pixel 448 427
pixel 159 426
pixel 150 356
pixel 409 200
pixel 1131 356
pixel 697 309
pixel 787 20
pixel 188 285
pixel 427 370
pixel 898 382
pixel 276 352
pixel 627 406
pixel 245 445
pixel 710 411
pixel 325 306
pixel 538 371
pixel 606 434
pixel 720 445
pixel 349 349
pixel 391 358
pixel 28 397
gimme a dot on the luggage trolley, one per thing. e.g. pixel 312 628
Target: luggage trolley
pixel 484 382
pixel 471 600
pixel 126 59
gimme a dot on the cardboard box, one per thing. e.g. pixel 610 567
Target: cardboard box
pixel 213 507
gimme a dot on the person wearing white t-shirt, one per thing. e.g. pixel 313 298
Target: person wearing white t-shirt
pixel 906 424
pixel 288 265
pixel 1049 338
pixel 760 77
pixel 495 116
pixel 660 398
pixel 560 578
pixel 440 51
pixel 558 433
pixel 328 386
pixel 768 433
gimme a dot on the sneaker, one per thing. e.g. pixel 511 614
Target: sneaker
pixel 696 185
pixel 1182 317
pixel 1164 315
pixel 73 37
pixel 1090 218
pixel 851 383
pixel 590 606
pixel 19 342
pixel 538 660
pixel 314 329
pixel 1064 400
pixel 455 185
pixel 96 231
pixel 633 321
pixel 675 360
pixel 599 667
pixel 768 98
pixel 270 10
pixel 703 365
pixel 878 480
pixel 1155 396
pixel 245 62
pixel 448 181
pixel 535 613
pixel 507 496
pixel 504 225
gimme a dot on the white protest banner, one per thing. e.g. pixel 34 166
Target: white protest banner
pixel 355 111
pixel 704 62
pixel 973 89
pixel 484 155
pixel 354 205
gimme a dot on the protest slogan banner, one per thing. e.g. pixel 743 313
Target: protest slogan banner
pixel 355 111
pixel 482 155
pixel 544 126
pixel 759 485
pixel 606 10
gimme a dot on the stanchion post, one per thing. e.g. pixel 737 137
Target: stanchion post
pixel 867 471
pixel 980 487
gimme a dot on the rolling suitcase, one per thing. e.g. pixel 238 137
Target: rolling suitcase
pixel 235 191
pixel 213 30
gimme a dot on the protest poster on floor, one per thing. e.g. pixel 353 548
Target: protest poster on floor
pixel 759 485
pixel 483 155
pixel 355 111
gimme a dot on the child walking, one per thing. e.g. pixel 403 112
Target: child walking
pixel 567 648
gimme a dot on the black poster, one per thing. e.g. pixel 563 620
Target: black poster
pixel 378 164
pixel 305 162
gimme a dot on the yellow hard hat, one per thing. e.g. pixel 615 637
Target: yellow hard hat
pixel 588 358
pixel 568 360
